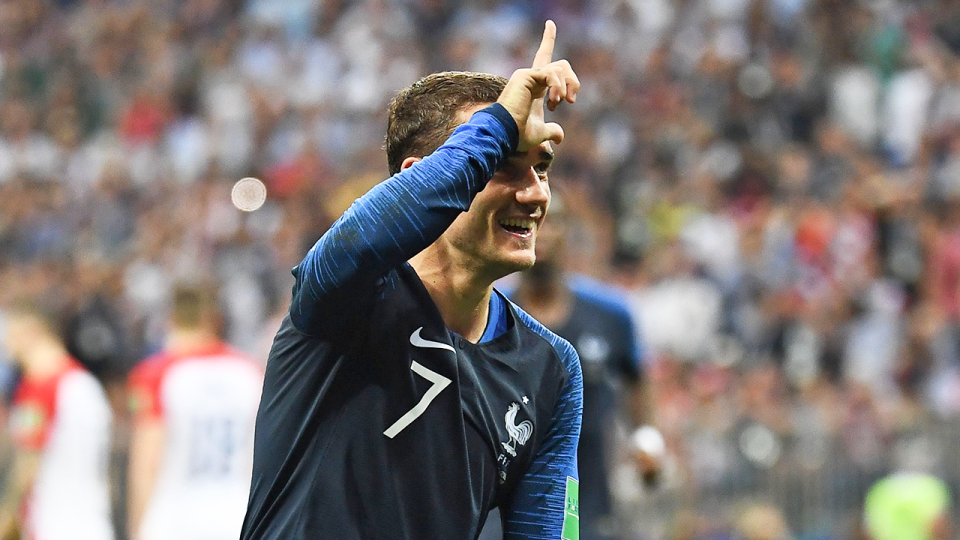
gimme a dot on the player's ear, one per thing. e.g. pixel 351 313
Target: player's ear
pixel 408 162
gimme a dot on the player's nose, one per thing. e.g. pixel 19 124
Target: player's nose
pixel 535 191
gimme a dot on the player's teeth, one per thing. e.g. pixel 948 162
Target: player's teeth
pixel 522 223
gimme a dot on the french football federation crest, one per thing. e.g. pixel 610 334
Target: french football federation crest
pixel 519 434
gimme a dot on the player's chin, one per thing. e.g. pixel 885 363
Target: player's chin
pixel 518 260
pixel 513 252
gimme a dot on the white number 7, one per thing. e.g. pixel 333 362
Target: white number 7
pixel 439 383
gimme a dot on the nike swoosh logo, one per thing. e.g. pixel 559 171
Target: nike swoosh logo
pixel 418 341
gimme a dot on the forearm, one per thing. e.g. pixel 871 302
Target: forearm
pixel 17 487
pixel 9 505
pixel 8 527
pixel 141 487
pixel 136 508
pixel 638 404
pixel 404 214
pixel 145 456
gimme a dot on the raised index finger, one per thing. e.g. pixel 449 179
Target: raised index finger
pixel 545 52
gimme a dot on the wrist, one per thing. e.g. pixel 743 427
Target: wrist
pixel 508 121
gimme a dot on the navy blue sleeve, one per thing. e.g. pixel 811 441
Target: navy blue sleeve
pixel 397 219
pixel 544 505
pixel 628 365
pixel 637 357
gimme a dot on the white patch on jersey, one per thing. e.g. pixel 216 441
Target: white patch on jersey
pixel 519 434
pixel 593 348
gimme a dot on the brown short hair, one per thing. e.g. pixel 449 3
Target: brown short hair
pixel 193 305
pixel 423 115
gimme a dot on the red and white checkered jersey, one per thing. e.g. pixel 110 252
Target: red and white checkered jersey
pixel 66 417
pixel 207 401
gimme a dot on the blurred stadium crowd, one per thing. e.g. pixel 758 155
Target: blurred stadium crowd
pixel 775 183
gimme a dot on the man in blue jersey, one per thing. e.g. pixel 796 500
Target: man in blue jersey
pixel 404 397
pixel 594 319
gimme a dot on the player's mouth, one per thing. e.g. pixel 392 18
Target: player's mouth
pixel 520 227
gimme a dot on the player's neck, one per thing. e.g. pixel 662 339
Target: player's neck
pixel 45 359
pixel 461 292
pixel 190 340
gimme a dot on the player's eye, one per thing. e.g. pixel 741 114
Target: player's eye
pixel 541 169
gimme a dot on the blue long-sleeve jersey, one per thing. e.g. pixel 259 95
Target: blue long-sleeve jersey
pixel 377 422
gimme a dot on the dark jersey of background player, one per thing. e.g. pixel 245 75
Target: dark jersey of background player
pixel 376 421
pixel 594 319
pixel 599 326
pixel 601 329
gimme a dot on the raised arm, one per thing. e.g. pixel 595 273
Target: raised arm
pixel 397 219
pixel 406 213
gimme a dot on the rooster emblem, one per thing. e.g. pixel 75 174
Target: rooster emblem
pixel 519 434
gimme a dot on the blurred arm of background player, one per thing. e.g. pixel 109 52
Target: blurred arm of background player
pixel 146 451
pixel 647 443
pixel 648 449
pixel 24 469
pixel 193 327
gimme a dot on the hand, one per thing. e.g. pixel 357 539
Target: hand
pixel 9 528
pixel 649 451
pixel 526 90
pixel 650 467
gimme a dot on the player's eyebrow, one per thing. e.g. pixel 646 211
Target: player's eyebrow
pixel 546 154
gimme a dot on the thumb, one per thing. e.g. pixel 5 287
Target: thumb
pixel 553 132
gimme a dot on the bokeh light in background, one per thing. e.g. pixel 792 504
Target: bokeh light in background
pixel 248 194
pixel 775 183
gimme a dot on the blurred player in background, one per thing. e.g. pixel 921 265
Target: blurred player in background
pixel 194 408
pixel 405 400
pixel 57 488
pixel 595 321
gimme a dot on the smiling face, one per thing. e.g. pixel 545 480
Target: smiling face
pixel 499 232
pixel 497 235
